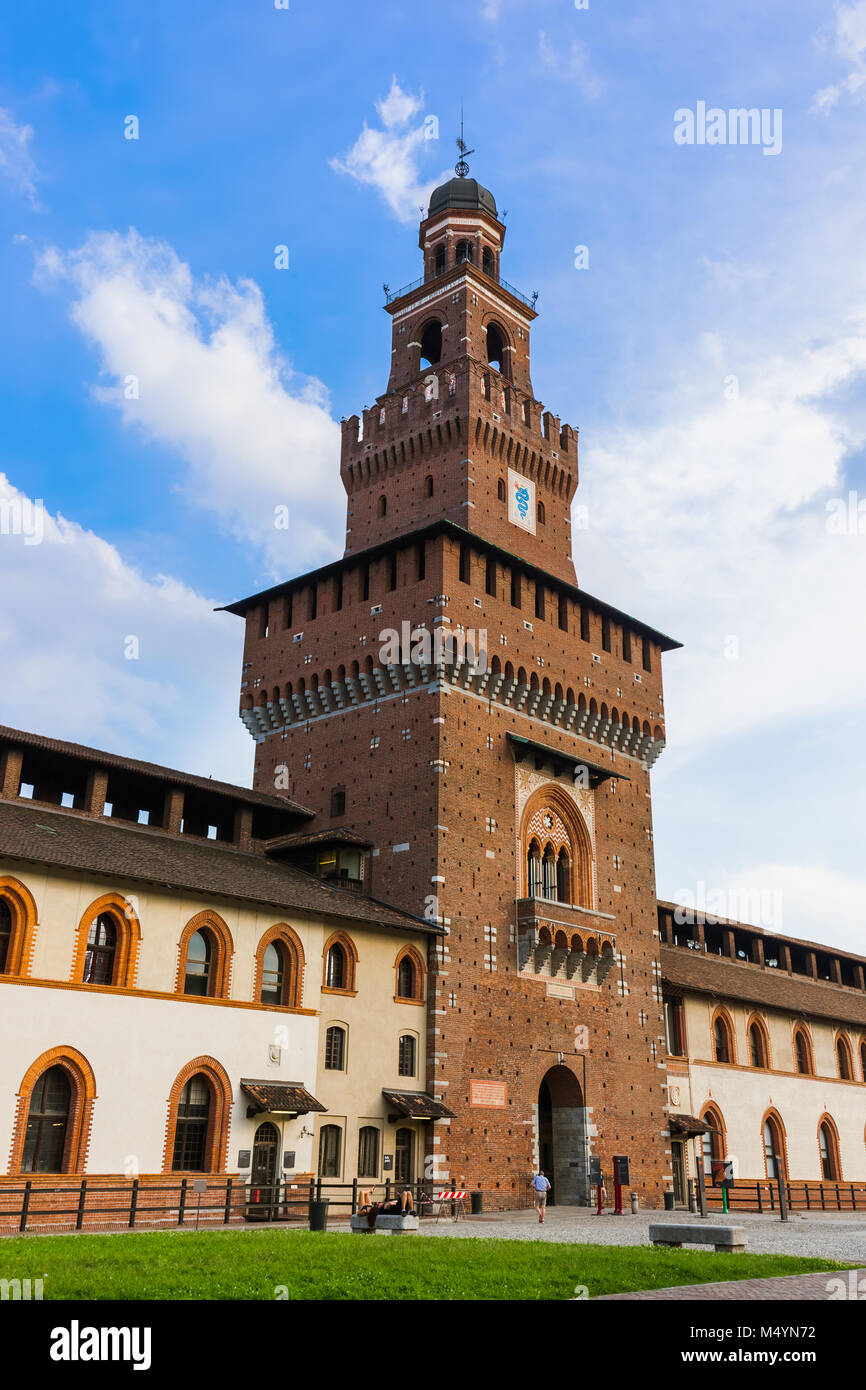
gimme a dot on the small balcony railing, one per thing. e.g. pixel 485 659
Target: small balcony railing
pixel 391 295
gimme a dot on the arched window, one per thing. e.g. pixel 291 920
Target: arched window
pixel 407 1066
pixel 273 975
pixel 803 1052
pixel 428 485
pixel 723 1043
pixel 774 1148
pixel 205 953
pixel 496 347
pixel 199 1112
pixel 464 252
pixel 533 870
pixel 335 970
pixel 863 1059
pixel 431 343
pixel 107 942
pixel 279 968
pixel 563 877
pixel 844 1059
pixel 548 873
pixel 47 1123
pixel 191 1130
pixel 500 490
pixel 382 505
pixel 713 1142
pixel 17 921
pixel 335 1048
pixel 329 1151
pixel 758 1050
pixel 409 975
pixel 541 514
pixel 198 977
pixel 487 264
pixel 5 933
pixel 439 265
pixel 101 947
pixel 368 1152
pixel 828 1144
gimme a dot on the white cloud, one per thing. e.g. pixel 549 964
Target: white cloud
pixel 71 606
pixel 717 516
pixel 850 47
pixel 16 163
pixel 571 64
pixel 212 385
pixel 390 159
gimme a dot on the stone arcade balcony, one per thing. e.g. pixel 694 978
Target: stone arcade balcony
pixel 561 941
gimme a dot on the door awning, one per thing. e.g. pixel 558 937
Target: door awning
pixel 279 1098
pixel 689 1125
pixel 415 1105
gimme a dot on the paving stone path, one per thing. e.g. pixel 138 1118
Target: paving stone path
pixel 847 1284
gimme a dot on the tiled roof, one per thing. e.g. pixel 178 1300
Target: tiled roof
pixel 414 1105
pixel 68 840
pixel 21 738
pixel 281 1097
pixel 729 979
pixel 299 838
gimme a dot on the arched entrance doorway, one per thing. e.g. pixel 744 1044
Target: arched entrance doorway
pixel 562 1137
pixel 263 1177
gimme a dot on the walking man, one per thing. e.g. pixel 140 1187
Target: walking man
pixel 542 1187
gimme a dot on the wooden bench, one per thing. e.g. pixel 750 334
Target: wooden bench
pixel 386 1225
pixel 728 1238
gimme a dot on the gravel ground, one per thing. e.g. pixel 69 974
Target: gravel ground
pixel 831 1236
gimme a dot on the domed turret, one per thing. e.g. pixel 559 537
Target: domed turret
pixel 462 193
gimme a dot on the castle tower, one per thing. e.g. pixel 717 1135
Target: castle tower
pixel 449 692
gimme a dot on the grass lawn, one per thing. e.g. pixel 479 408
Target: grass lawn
pixel 317 1265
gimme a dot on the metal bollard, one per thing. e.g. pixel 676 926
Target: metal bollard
pixel 634 1203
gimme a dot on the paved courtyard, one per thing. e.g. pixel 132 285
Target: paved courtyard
pixel 830 1235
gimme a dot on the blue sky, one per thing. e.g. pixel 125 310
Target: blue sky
pixel 712 355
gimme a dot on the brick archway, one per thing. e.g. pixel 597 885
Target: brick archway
pixel 563 1136
pixel 19 957
pixel 82 1096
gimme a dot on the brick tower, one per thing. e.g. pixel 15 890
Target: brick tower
pixel 449 692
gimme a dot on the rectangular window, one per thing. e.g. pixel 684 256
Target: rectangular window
pixel 675 1033
pixel 338 596
pixel 515 588
pixel 368 1152
pixel 605 634
pixel 584 624
pixel 647 655
pixel 392 578
pixel 490 583
pixel 539 599
pixel 422 561
pixel 314 600
pixel 626 644
pixel 563 613
pixel 365 582
pixel 464 564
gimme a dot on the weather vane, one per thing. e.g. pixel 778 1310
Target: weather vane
pixel 461 168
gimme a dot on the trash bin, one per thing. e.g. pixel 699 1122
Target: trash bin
pixel 319 1215
pixel 669 1201
pixel 476 1203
